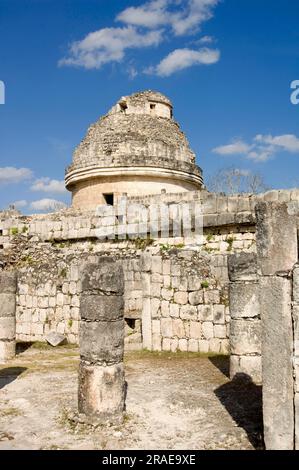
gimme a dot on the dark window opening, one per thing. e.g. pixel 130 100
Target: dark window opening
pixel 123 105
pixel 1 247
pixel 1 232
pixel 130 322
pixel 152 106
pixel 109 199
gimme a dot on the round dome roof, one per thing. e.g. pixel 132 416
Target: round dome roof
pixel 138 131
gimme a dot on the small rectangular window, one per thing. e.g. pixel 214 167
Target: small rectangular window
pixel 109 199
pixel 152 106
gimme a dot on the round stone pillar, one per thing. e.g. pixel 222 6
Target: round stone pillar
pixel 8 287
pixel 101 371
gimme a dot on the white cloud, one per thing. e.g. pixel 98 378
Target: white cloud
pixel 47 185
pixel 147 25
pixel 206 40
pixel 236 148
pixel 150 15
pixel 132 72
pixel 108 45
pixel 44 205
pixel 12 175
pixel 192 17
pixel 180 59
pixel 262 148
pixel 288 142
pixel 19 204
pixel 183 16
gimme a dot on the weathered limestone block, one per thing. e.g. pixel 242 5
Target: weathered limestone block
pixel 296 284
pixel 8 287
pixel 166 327
pixel 101 390
pixel 101 308
pixel 102 342
pixel 245 337
pixel 196 298
pixel 150 309
pixel 178 328
pixel 297 421
pixel 242 267
pixel 277 356
pixel 195 330
pixel 103 277
pixel 219 314
pixel 181 298
pixel 244 300
pixel 277 243
pixel 7 304
pixel 246 366
pixel 101 393
pixel 214 345
pixel 188 312
pixel 193 345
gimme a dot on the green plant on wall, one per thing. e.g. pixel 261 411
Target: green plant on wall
pixel 230 241
pixel 63 272
pixel 142 243
pixel 14 230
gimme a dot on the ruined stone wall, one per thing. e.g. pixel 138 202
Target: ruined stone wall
pixel 47 249
pixel 49 289
pixel 185 304
pixel 277 250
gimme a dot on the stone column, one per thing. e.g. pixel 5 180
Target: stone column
pixel 245 326
pixel 101 337
pixel 277 253
pixel 8 287
pixel 146 318
pixel 296 349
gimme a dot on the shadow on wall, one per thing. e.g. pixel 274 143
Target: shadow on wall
pixel 9 374
pixel 243 400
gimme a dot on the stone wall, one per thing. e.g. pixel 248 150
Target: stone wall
pixel 49 290
pixel 185 304
pixel 47 249
pixel 277 249
pixel 245 330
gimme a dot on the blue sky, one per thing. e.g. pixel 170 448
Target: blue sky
pixel 227 65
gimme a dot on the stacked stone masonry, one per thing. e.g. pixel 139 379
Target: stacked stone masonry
pixel 277 250
pixel 245 329
pixel 186 305
pixel 101 393
pixel 8 286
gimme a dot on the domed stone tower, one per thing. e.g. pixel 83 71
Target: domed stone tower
pixel 136 149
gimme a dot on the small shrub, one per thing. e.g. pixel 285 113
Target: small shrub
pixel 204 285
pixel 180 246
pixel 230 241
pixel 63 273
pixel 14 230
pixel 142 243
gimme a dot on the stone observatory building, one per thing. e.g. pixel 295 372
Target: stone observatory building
pixel 136 149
